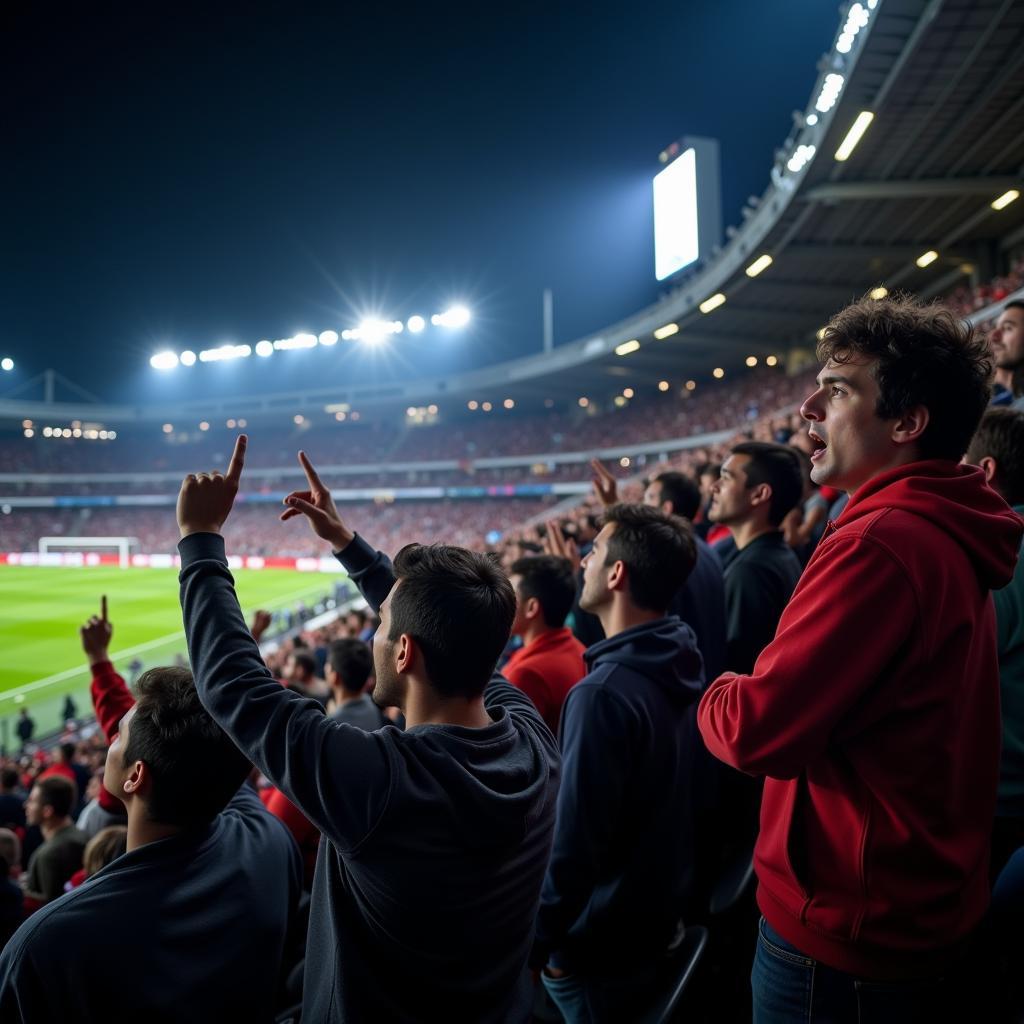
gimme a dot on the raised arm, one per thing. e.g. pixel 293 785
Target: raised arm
pixel 314 761
pixel 111 699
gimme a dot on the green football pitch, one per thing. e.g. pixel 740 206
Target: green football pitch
pixel 41 609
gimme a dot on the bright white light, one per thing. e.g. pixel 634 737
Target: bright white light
pixel 666 332
pixel 830 90
pixel 432 409
pixel 111 435
pixel 47 431
pixel 456 316
pixel 373 332
pixel 161 361
pixel 761 263
pixel 626 347
pixel 347 335
pixel 926 258
pixel 811 120
pixel 712 302
pixel 718 373
pixel 1005 199
pixel 415 324
pixel 628 392
pixel 7 363
pixel 853 136
pixel 264 348
pixel 77 432
pixel 411 411
pixel 675 215
pixel 29 432
pixel 879 293
pixel 855 21
pixel 27 423
pixel 663 385
pixel 188 358
pixel 204 425
pixel 772 360
pixel 509 403
pixel 299 341
pixel 215 355
pixel 751 360
pixel 66 432
pixel 329 338
pixel 800 158
pixel 167 428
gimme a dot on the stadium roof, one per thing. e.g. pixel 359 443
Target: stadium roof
pixel 944 80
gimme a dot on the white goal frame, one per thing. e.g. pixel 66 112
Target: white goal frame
pixel 123 545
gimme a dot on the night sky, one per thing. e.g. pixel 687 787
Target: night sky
pixel 186 179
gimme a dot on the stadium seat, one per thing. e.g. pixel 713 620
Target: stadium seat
pixel 733 882
pixel 676 976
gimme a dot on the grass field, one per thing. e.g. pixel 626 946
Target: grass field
pixel 41 609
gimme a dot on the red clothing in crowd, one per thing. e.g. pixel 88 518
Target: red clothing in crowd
pixel 112 700
pixel 874 714
pixel 306 834
pixel 59 768
pixel 546 669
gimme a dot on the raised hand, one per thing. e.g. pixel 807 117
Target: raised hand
pixel 205 499
pixel 96 634
pixel 605 486
pixel 556 544
pixel 317 505
pixel 261 620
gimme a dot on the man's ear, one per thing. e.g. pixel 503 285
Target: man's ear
pixel 617 576
pixel 138 781
pixel 405 653
pixel 761 494
pixel 990 468
pixel 911 425
pixel 531 609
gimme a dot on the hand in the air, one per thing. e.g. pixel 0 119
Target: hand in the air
pixel 318 507
pixel 205 499
pixel 96 634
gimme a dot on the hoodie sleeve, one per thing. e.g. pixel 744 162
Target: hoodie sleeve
pixel 340 777
pixel 369 570
pixel 597 736
pixel 851 613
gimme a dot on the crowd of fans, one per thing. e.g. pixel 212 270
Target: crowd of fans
pixel 776 654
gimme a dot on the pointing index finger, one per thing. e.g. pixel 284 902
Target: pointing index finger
pixel 103 607
pixel 234 473
pixel 311 474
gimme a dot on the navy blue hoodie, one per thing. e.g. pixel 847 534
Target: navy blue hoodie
pixel 622 862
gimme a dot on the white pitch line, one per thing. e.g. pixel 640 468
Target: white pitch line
pixel 128 652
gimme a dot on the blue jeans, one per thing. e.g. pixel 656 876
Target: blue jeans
pixel 790 987
pixel 603 998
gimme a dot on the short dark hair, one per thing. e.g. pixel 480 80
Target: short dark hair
pixel 925 355
pixel 679 489
pixel 9 778
pixel 658 551
pixel 1014 304
pixel 57 792
pixel 1000 435
pixel 352 661
pixel 67 751
pixel 777 465
pixel 195 768
pixel 458 606
pixel 551 581
pixel 306 661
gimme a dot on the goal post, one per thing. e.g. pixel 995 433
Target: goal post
pixel 123 545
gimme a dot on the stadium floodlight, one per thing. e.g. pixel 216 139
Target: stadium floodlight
pixel 666 331
pixel 486 407
pixel 628 392
pixel 762 262
pixel 373 332
pixel 811 120
pixel 830 90
pixel 455 316
pixel 29 432
pixel 415 324
pixel 663 385
pixel 800 158
pixel 718 373
pixel 328 337
pixel 627 347
pixel 853 136
pixel 879 293
pixel 1005 199
pixel 772 361
pixel 162 361
pixel 264 348
pixel 7 364
pixel 926 258
pixel 222 352
pixel 299 341
pixel 168 428
pixel 712 302
pixel 856 18
pixel 188 358
pixel 584 402
pixel 472 405
pixel 751 360
pixel 509 403
pixel 691 385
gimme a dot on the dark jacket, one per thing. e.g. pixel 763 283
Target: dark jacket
pixel 434 839
pixel 192 927
pixel 700 603
pixel 622 862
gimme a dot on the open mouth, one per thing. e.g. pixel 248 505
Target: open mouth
pixel 819 445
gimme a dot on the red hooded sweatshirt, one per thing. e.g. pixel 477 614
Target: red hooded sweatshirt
pixel 874 714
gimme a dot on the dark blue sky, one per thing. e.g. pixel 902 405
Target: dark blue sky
pixel 189 178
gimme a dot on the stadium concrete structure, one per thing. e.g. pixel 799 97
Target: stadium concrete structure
pixel 919 201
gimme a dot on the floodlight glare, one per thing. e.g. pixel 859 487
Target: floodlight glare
pixel 162 361
pixel 456 316
pixel 718 373
pixel 926 258
pixel 188 358
pixel 711 303
pixel 879 293
pixel 853 136
pixel 626 347
pixel 373 332
pixel 7 363
pixel 1005 199
pixel 415 324
pixel 329 338
pixel 666 332
pixel 830 90
pixel 264 348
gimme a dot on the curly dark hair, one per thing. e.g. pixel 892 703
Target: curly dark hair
pixel 924 355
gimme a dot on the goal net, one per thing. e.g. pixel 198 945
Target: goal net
pixel 122 545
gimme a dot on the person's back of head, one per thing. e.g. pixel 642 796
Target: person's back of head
pixel 107 845
pixel 304 663
pixel 778 466
pixel 457 607
pixel 67 753
pixel 57 795
pixel 349 664
pixel 547 580
pixel 190 767
pixel 655 553
pixel 10 852
pixel 674 493
pixel 8 780
pixel 923 356
pixel 998 448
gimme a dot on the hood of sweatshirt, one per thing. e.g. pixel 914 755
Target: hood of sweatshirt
pixel 956 499
pixel 664 650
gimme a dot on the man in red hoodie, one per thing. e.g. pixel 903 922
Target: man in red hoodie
pixel 874 713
